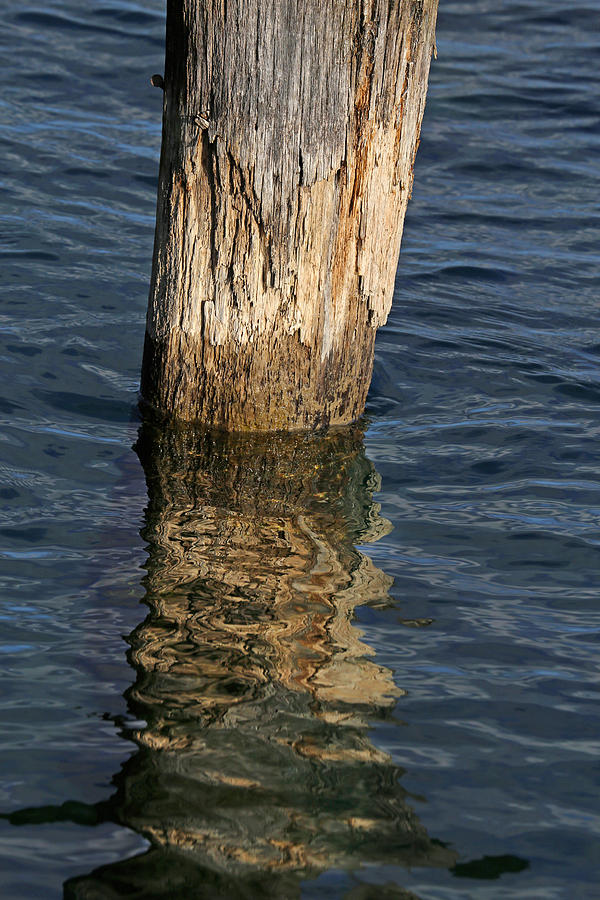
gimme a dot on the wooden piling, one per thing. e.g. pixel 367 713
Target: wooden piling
pixel 289 136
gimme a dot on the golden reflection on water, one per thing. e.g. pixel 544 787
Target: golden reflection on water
pixel 256 767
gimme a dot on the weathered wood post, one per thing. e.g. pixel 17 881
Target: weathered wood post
pixel 289 135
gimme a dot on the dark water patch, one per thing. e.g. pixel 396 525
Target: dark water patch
pixel 24 350
pixel 490 867
pixel 7 406
pixel 469 273
pixel 427 345
pixel 88 172
pixel 578 17
pixel 593 349
pixel 584 392
pixel 31 535
pixel 146 179
pixel 488 467
pixel 90 407
pixel 29 254
pixel 138 18
pixel 8 494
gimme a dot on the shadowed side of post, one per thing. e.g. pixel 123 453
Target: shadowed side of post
pixel 289 137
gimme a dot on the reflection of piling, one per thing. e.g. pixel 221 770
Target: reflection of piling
pixel 261 535
pixel 256 766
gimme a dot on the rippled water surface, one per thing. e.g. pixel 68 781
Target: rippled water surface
pixel 356 666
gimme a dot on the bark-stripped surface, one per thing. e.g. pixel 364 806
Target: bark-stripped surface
pixel 289 135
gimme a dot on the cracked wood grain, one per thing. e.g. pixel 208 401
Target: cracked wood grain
pixel 289 136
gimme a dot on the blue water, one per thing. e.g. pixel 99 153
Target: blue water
pixel 482 422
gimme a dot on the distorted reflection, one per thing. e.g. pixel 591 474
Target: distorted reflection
pixel 256 768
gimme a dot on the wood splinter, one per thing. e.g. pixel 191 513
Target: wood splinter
pixel 202 121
